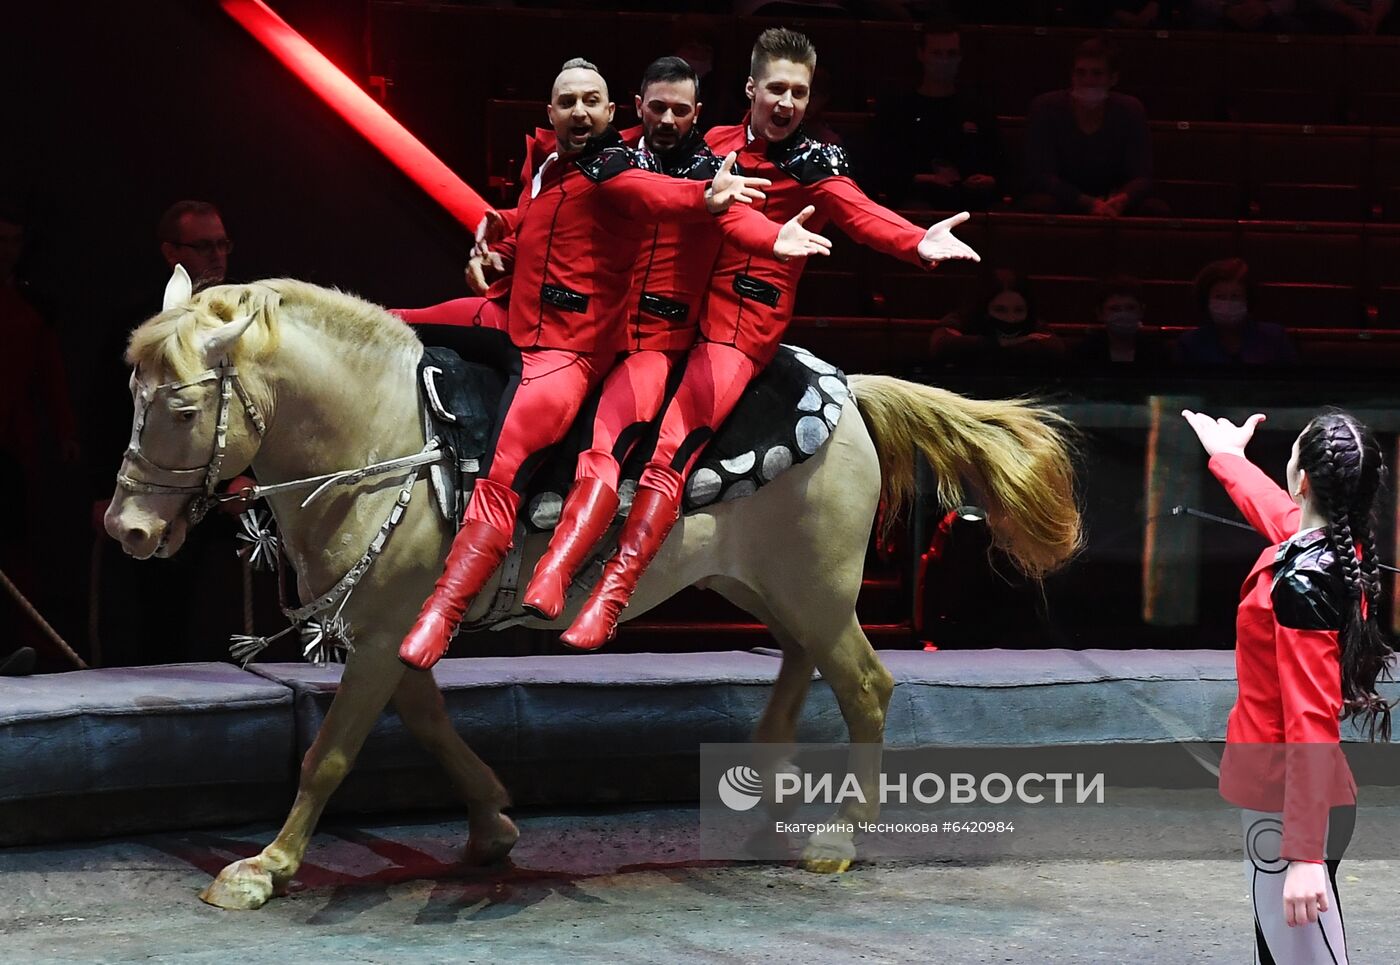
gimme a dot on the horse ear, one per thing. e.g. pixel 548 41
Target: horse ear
pixel 179 289
pixel 220 341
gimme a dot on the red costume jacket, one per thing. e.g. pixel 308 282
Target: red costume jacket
pixel 677 258
pixel 749 302
pixel 576 242
pixel 1283 750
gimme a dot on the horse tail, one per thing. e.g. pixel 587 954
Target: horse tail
pixel 1017 454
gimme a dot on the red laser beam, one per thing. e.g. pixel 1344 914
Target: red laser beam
pixel 393 140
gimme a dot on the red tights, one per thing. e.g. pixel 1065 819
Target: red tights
pixel 715 377
pixel 536 409
pixel 631 398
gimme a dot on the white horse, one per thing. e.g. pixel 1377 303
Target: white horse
pixel 323 381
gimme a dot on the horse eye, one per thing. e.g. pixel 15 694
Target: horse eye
pixel 187 415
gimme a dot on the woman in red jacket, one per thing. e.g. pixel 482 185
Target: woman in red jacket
pixel 1308 652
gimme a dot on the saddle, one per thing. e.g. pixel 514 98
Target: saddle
pixel 783 418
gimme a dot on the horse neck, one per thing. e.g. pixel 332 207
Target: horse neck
pixel 334 409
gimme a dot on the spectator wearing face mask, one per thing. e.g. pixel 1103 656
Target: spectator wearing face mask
pixel 1088 148
pixel 937 146
pixel 999 326
pixel 1121 342
pixel 1228 335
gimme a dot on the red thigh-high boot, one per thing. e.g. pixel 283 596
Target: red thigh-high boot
pixel 477 550
pixel 586 515
pixel 650 519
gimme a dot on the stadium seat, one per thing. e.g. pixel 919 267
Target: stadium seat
pixel 1304 253
pixel 831 294
pixel 1199 168
pixel 1383 273
pixel 1385 176
pixel 1065 246
pixel 1171 250
pixel 1309 173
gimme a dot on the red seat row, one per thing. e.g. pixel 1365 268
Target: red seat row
pixel 1307 274
pixel 895 345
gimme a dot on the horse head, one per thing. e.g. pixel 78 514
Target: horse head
pixel 186 433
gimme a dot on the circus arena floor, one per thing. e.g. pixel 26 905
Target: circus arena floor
pixel 607 887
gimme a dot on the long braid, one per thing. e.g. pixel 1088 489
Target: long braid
pixel 1343 462
pixel 1334 499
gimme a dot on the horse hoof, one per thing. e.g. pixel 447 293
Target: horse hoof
pixel 826 866
pixel 242 886
pixel 492 842
pixel 828 855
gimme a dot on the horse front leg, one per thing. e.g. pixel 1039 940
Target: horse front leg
pixel 371 676
pixel 490 834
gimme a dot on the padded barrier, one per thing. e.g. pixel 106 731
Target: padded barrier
pixel 116 751
pixel 124 749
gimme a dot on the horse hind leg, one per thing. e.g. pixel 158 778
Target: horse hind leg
pixel 863 688
pixel 490 834
pixel 777 727
pixel 370 677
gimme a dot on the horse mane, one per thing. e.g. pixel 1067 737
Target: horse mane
pixel 171 339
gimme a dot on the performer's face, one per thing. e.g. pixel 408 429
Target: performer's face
pixel 668 110
pixel 779 99
pixel 579 108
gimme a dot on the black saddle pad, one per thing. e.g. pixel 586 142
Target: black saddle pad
pixel 783 418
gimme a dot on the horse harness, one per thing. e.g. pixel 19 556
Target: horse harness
pixel 202 491
pixel 323 636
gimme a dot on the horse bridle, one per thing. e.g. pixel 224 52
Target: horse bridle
pixel 175 480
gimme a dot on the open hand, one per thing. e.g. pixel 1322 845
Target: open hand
pixel 728 188
pixel 1222 435
pixel 939 244
pixel 795 241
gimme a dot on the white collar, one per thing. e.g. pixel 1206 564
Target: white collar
pixel 535 182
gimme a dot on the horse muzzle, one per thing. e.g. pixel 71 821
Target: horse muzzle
pixel 144 535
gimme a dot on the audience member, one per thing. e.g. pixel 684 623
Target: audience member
pixel 192 234
pixel 999 325
pixel 935 145
pixel 1121 342
pixel 1228 334
pixel 1088 148
pixel 195 597
pixel 1263 16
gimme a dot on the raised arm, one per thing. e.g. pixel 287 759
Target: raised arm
pixel 867 222
pixel 1268 508
pixel 875 226
pixel 651 197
